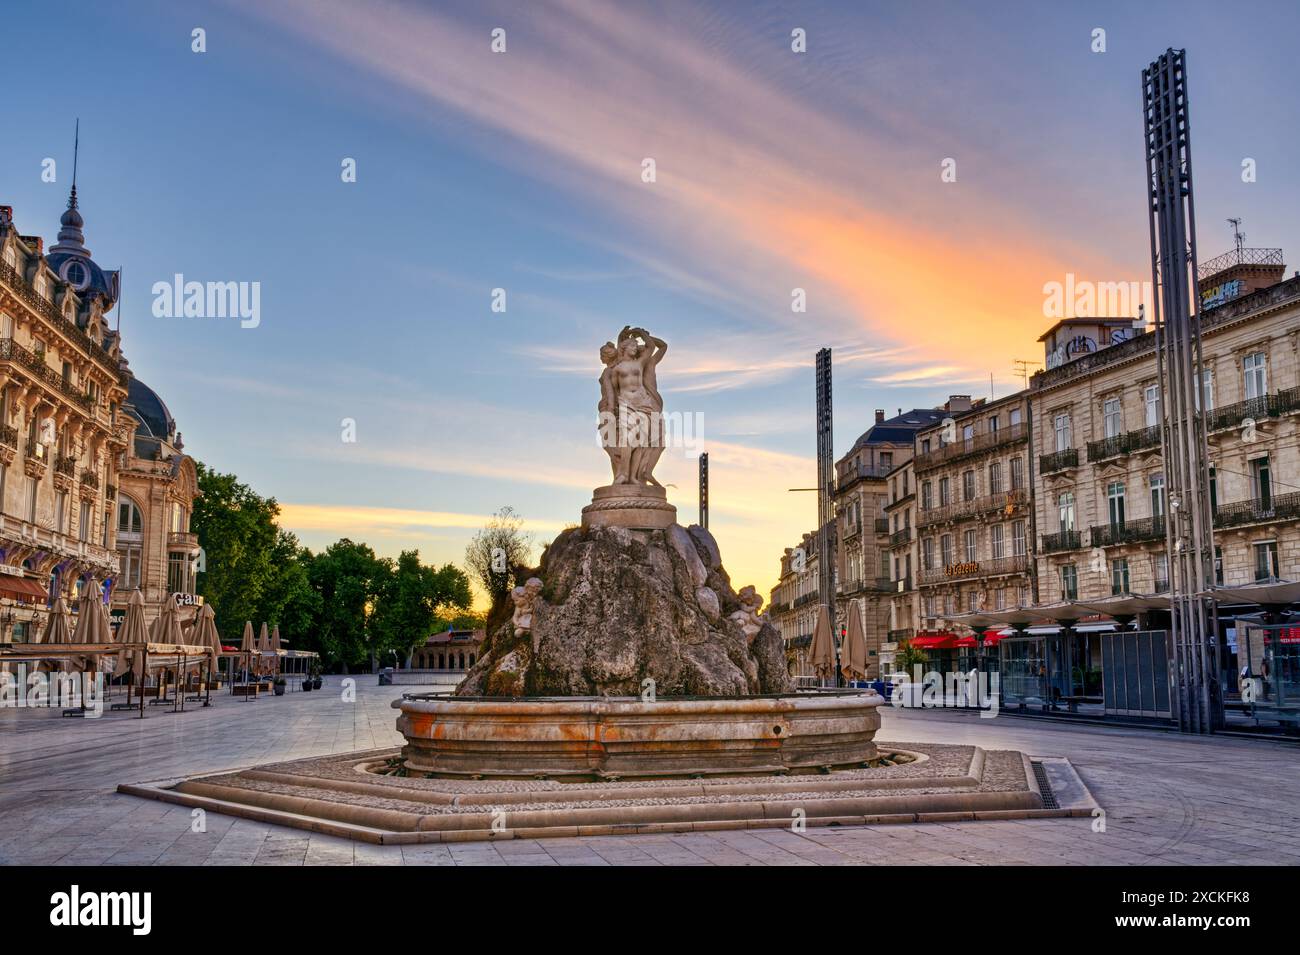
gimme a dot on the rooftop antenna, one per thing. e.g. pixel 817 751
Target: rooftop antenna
pixel 1022 366
pixel 1238 237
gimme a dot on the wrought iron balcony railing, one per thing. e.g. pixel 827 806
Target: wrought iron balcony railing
pixel 1064 540
pixel 978 505
pixel 1128 532
pixel 10 350
pixel 1265 510
pixel 968 446
pixel 1230 416
pixel 9 275
pixel 900 537
pixel 1127 443
pixel 1058 461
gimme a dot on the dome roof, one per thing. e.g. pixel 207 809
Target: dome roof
pixel 143 404
pixel 71 261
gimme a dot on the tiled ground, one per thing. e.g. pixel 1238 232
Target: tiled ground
pixel 1168 799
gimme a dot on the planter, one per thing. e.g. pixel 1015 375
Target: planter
pixel 279 689
pixel 315 683
pixel 306 686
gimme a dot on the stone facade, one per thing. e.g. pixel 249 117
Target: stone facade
pixel 76 458
pixel 1101 501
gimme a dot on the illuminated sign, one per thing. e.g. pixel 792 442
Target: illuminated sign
pixel 961 570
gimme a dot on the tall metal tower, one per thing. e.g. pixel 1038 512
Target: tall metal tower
pixel 1189 525
pixel 704 489
pixel 826 537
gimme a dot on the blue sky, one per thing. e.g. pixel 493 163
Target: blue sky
pixel 522 171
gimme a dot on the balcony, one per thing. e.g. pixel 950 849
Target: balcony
pixel 65 472
pixel 851 529
pixel 1275 507
pixel 36 366
pixel 1129 532
pixel 1055 543
pixel 1231 416
pixel 1007 501
pixel 8 444
pixel 896 636
pixel 1058 461
pixel 997 567
pixel 901 537
pixel 882 525
pixel 89 480
pixel 852 475
pixel 965 448
pixel 35 460
pixel 1128 443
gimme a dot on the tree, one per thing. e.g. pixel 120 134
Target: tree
pixel 497 551
pixel 241 548
pixel 348 579
pixel 410 598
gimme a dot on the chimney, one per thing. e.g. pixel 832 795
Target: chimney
pixel 35 241
pixel 880 416
pixel 958 403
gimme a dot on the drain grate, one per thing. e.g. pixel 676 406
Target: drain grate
pixel 1044 787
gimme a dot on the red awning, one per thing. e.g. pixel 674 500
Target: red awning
pixel 935 641
pixel 991 637
pixel 22 588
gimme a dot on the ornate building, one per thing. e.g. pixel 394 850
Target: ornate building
pixel 69 414
pixel 793 607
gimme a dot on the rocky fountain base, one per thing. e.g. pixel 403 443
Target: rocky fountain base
pixel 638 659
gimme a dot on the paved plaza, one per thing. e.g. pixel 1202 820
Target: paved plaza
pixel 1168 800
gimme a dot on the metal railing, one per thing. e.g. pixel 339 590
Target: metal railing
pixel 1058 461
pixel 850 475
pixel 882 525
pixel 9 275
pixel 1128 532
pixel 9 436
pixel 1230 416
pixel 903 633
pixel 997 567
pixel 900 537
pixel 1126 443
pixel 968 446
pixel 1235 257
pixel 1064 540
pixel 10 350
pixel 979 505
pixel 66 465
pixel 1274 507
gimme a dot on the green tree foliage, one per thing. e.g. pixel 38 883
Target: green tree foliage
pixel 348 578
pixel 409 600
pixel 497 551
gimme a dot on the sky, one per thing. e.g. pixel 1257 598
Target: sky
pixel 523 170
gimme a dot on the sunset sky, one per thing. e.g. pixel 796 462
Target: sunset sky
pixel 522 170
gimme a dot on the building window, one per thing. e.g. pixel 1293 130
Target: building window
pixel 972 601
pixel 926 495
pixel 968 485
pixel 1017 474
pixel 129 561
pixel 1160 573
pixel 1111 417
pixel 945 495
pixel 129 520
pixel 1115 503
pixel 1151 398
pixel 30 498
pixel 83 522
pixel 949 605
pixel 993 424
pixel 1205 397
pixel 967 433
pixel 996 544
pixel 1065 511
pixel 1157 495
pixel 1069 582
pixel 929 605
pixel 178 574
pixel 1015 417
pixel 927 554
pixel 1254 374
pixel 1061 427
pixel 945 549
pixel 995 477
pixel 1214 489
pixel 1000 598
pixel 1119 582
pixel 1261 483
pixel 925 445
pixel 886 461
pixel 1266 567
pixel 60 506
pixel 1018 538
pixel 1218 565
pixel 970 547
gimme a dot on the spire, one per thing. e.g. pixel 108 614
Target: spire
pixel 71 237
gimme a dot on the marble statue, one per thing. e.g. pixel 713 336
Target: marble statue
pixel 523 598
pixel 747 617
pixel 631 408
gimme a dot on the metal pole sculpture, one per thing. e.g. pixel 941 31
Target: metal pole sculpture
pixel 704 490
pixel 1189 525
pixel 826 537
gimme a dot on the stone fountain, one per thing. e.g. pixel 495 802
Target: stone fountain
pixel 629 651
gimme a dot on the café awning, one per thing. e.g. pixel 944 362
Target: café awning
pixel 935 641
pixel 1265 593
pixel 22 588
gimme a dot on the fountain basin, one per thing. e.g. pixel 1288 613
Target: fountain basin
pixel 606 737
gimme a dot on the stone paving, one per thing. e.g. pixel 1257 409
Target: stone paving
pixel 1169 800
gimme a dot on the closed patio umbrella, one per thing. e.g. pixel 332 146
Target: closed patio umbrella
pixel 92 617
pixel 853 655
pixel 166 627
pixel 131 630
pixel 205 631
pixel 821 653
pixel 247 644
pixel 275 646
pixel 57 631
pixel 263 648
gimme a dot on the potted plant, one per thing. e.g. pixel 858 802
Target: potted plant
pixel 315 675
pixel 306 682
pixel 279 685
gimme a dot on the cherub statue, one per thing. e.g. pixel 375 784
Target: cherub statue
pixel 523 598
pixel 747 617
